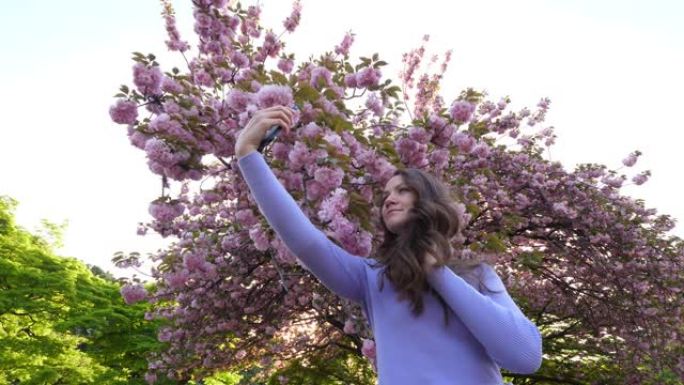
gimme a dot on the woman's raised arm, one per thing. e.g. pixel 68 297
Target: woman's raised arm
pixel 340 271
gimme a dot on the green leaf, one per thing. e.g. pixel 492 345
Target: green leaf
pixel 532 259
pixel 278 77
pixel 306 93
pixel 494 243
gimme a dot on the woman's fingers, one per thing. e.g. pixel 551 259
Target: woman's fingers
pixel 281 115
pixel 277 122
pixel 278 111
pixel 262 120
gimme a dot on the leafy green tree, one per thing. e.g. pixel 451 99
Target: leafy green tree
pixel 59 322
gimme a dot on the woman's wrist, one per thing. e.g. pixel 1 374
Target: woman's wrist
pixel 243 151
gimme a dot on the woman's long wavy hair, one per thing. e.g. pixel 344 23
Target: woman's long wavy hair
pixel 431 225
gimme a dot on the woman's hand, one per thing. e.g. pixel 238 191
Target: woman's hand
pixel 429 263
pixel 249 137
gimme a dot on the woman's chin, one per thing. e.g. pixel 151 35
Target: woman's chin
pixel 394 226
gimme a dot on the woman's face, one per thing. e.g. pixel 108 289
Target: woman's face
pixel 398 201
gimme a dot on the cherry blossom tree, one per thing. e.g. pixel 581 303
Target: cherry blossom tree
pixel 597 270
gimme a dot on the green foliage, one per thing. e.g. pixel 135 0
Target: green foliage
pixel 344 368
pixel 328 367
pixel 59 322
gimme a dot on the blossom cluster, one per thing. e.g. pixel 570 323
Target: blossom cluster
pixel 567 242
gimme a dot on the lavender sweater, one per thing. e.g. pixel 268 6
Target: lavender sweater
pixel 486 329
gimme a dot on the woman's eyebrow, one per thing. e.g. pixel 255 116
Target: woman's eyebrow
pixel 385 191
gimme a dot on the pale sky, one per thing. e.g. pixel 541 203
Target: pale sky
pixel 613 70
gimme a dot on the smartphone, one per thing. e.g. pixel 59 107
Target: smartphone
pixel 270 135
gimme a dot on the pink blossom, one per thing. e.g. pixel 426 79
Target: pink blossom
pixel 284 254
pixel 419 134
pixel 150 378
pixel 368 77
pixel 375 104
pixel 133 293
pixel 239 100
pixel 271 46
pixel 329 178
pixel 333 205
pixel 562 208
pixel 274 95
pixel 244 74
pixel 464 142
pixel 280 150
pixel 285 65
pixel 246 217
pixel 124 112
pixel 177 280
pixel 314 190
pixel 440 158
pixel 363 244
pixel 166 211
pixel 503 102
pixel 259 237
pixel 142 230
pixel 329 106
pixel 193 261
pixel 320 77
pixel 461 111
pixel 293 181
pixel 343 48
pixel 544 103
pixel 310 131
pixel 641 178
pixel 174 43
pixel 368 348
pixel 158 151
pixel 350 80
pixel 630 160
pixel 300 155
pixel 613 181
pixel 239 59
pixel 170 85
pixel 349 327
pixel 482 150
pixel 292 21
pixel 335 140
pixel 343 231
pixel 147 79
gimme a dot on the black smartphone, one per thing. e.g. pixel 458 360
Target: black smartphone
pixel 270 135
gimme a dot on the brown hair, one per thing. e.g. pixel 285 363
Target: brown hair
pixel 432 222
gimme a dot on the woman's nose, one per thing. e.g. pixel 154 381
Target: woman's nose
pixel 390 201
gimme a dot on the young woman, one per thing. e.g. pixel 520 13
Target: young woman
pixel 431 326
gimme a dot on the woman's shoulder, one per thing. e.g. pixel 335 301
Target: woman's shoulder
pixel 482 277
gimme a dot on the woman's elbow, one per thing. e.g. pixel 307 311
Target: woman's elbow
pixel 528 360
pixel 529 365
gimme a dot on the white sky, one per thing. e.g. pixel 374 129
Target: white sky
pixel 613 70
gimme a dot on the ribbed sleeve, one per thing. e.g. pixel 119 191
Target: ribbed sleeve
pixel 509 338
pixel 340 271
